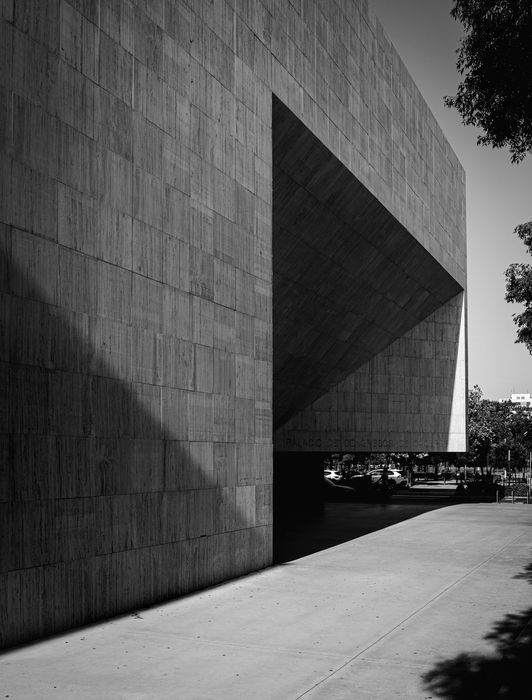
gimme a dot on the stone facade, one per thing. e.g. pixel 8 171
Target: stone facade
pixel 136 354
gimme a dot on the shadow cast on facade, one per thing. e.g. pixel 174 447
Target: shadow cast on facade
pixel 107 504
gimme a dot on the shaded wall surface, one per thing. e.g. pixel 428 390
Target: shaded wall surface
pixel 137 178
pixel 410 397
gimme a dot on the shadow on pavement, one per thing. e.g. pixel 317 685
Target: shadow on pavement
pixel 503 674
pixel 526 573
pixel 340 522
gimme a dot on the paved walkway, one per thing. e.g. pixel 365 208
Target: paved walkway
pixel 369 618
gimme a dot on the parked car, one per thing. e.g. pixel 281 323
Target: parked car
pixel 332 474
pixel 394 476
pixel 336 492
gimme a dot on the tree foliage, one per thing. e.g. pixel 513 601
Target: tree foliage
pixel 495 60
pixel 519 288
pixel 494 428
pixel 480 430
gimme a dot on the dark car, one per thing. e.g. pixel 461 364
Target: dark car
pixel 337 492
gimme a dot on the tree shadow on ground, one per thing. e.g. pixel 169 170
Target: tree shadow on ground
pixel 526 573
pixel 503 674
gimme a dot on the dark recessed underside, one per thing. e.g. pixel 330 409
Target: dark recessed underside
pixel 349 279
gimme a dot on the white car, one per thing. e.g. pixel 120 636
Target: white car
pixel 394 475
pixel 332 474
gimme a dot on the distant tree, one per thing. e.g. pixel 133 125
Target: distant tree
pixel 495 60
pixel 519 288
pixel 480 430
pixel 493 429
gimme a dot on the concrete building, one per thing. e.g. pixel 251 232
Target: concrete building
pixel 227 229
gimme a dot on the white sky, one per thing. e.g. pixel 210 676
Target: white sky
pixel 499 194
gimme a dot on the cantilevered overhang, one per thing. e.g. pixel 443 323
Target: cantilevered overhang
pixel 348 278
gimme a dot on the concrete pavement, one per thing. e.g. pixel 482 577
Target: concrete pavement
pixel 365 619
